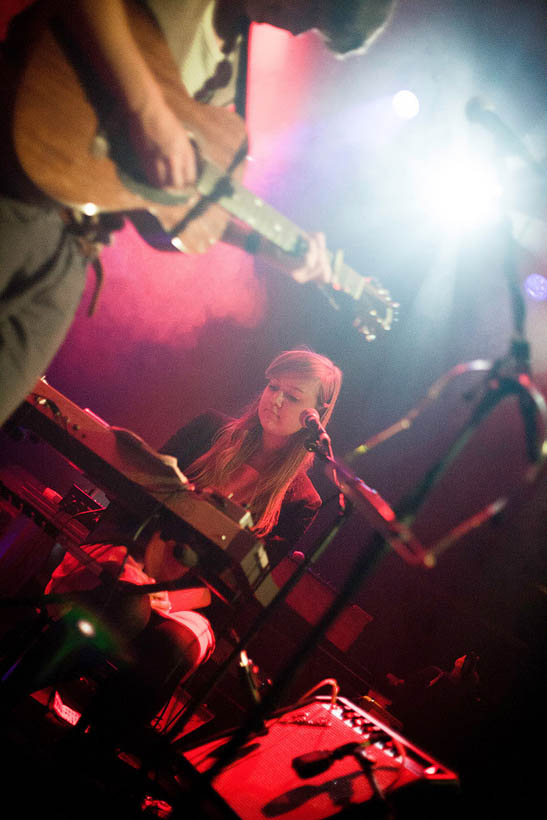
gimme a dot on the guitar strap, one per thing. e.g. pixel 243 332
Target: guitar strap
pixel 92 234
pixel 242 71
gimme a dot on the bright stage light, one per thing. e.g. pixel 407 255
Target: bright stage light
pixel 459 192
pixel 406 105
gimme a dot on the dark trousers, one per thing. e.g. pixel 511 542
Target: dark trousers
pixel 42 277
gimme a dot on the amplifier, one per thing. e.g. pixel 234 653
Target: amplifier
pixel 274 773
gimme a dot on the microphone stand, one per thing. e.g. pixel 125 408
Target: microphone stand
pixel 318 441
pixel 496 389
pixel 389 528
pixel 509 375
pixel 387 531
pixel 257 714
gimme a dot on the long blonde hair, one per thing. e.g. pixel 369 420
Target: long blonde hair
pixel 237 441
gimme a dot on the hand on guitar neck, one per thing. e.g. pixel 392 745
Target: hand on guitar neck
pixel 313 265
pixel 317 266
pixel 311 261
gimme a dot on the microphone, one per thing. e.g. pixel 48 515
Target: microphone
pixel 476 110
pixel 310 418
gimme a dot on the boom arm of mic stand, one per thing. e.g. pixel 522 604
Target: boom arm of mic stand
pixel 407 420
pixel 262 709
pixel 270 700
pixel 497 389
pixel 377 512
pixel 387 529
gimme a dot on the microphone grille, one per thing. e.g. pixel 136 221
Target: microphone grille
pixel 310 414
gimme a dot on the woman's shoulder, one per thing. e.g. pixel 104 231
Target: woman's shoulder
pixel 212 418
pixel 207 422
pixel 302 489
pixel 195 437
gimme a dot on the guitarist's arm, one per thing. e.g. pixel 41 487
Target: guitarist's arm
pixel 101 29
pixel 314 265
pixel 161 143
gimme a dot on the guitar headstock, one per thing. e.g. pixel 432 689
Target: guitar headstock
pixel 378 311
pixel 373 308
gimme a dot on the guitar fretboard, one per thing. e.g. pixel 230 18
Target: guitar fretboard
pixel 251 209
pixel 284 234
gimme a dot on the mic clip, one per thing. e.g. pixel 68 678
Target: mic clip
pixel 315 444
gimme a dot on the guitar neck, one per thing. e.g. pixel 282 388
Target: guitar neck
pixel 252 210
pixel 248 207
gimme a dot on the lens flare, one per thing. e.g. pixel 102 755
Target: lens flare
pixel 86 628
pixel 535 286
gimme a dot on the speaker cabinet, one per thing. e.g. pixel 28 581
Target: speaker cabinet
pixel 263 781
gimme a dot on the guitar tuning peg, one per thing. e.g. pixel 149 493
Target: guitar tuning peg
pixel 365 331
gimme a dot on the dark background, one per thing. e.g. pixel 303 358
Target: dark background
pixel 175 335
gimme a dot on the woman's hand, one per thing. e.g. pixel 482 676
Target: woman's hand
pixel 160 601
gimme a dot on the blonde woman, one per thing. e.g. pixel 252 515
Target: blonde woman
pixel 259 460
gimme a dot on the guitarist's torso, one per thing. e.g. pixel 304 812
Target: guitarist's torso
pixel 209 65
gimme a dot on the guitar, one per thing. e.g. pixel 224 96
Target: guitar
pixel 69 141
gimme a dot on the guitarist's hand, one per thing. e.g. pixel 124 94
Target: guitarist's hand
pixel 101 30
pixel 316 265
pixel 162 146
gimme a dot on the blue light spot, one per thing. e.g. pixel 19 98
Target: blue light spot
pixel 535 286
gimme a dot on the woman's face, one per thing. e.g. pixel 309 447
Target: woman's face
pixel 282 403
